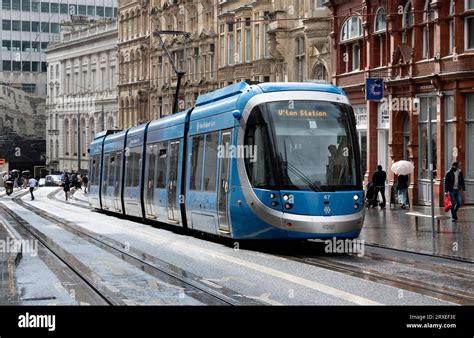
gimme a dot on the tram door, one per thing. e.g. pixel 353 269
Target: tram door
pixel 150 181
pixel 118 182
pixel 223 191
pixel 105 180
pixel 173 212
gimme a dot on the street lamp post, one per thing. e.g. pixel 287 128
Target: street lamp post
pixel 179 73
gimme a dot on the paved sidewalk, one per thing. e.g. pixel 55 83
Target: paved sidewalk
pixel 392 228
pixel 9 258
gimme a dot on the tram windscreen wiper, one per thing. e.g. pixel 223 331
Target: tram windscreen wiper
pixel 295 171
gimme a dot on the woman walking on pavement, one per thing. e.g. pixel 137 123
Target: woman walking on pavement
pixel 402 186
pixel 453 183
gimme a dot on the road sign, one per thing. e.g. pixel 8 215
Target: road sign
pixel 374 89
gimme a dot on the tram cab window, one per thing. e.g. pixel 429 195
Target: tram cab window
pixel 261 171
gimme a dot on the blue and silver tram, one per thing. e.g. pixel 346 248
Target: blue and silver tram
pixel 249 161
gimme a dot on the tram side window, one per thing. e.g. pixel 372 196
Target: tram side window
pixel 112 170
pixel 133 170
pixel 210 162
pixel 105 172
pixel 97 170
pixel 92 166
pixel 118 169
pixel 196 162
pixel 151 163
pixel 161 170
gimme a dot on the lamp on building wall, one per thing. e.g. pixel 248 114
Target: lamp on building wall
pixel 179 73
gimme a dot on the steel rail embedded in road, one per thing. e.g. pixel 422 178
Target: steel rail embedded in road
pixel 172 274
pixel 439 292
pixel 93 284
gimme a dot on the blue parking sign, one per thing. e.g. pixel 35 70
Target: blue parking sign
pixel 374 89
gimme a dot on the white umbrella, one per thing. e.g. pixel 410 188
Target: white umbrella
pixel 403 167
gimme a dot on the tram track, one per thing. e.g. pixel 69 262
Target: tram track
pixel 173 275
pixel 431 290
pixel 440 292
pixel 91 284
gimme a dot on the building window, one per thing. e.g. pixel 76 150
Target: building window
pixel 90 10
pixel 257 42
pixel 63 9
pixel 7 65
pixel 230 47
pixel 248 42
pixel 469 139
pixel 25 26
pixel 6 25
pixel 16 5
pixel 300 59
pixel 6 4
pixel 380 23
pixel 427 104
pixel 469 32
pixel 351 29
pixel 318 4
pixel 25 5
pixel 266 41
pixel 16 46
pixel 408 17
pixel 355 56
pixel 45 7
pixel 6 45
pixel 451 27
pixel 222 46
pixel 449 131
pixel 238 53
pixel 16 25
pixel 54 8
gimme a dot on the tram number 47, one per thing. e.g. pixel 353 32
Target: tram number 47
pixel 327 197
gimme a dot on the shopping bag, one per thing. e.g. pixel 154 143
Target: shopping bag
pixel 447 203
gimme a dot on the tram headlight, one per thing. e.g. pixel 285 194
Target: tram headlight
pixel 356 197
pixel 288 206
pixel 286 198
pixel 356 206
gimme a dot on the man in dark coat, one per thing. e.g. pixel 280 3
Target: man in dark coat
pixel 379 178
pixel 453 183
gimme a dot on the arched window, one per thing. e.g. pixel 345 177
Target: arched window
pixel 351 29
pixel 428 16
pixel 451 27
pixel 110 123
pixel 74 138
pixel 407 24
pixel 91 129
pixel 320 72
pixel 351 33
pixel 408 18
pixel 380 23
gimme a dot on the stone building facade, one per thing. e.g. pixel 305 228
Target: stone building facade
pixel 82 94
pixel 229 41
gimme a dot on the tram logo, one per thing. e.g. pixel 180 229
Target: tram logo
pixel 327 209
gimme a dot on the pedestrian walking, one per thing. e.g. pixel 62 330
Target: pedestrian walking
pixel 453 183
pixel 79 182
pixel 32 182
pixel 85 181
pixel 379 178
pixel 402 187
pixel 66 186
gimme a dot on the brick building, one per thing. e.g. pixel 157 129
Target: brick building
pixel 424 52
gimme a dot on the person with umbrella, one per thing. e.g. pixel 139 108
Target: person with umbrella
pixel 402 169
pixel 402 187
